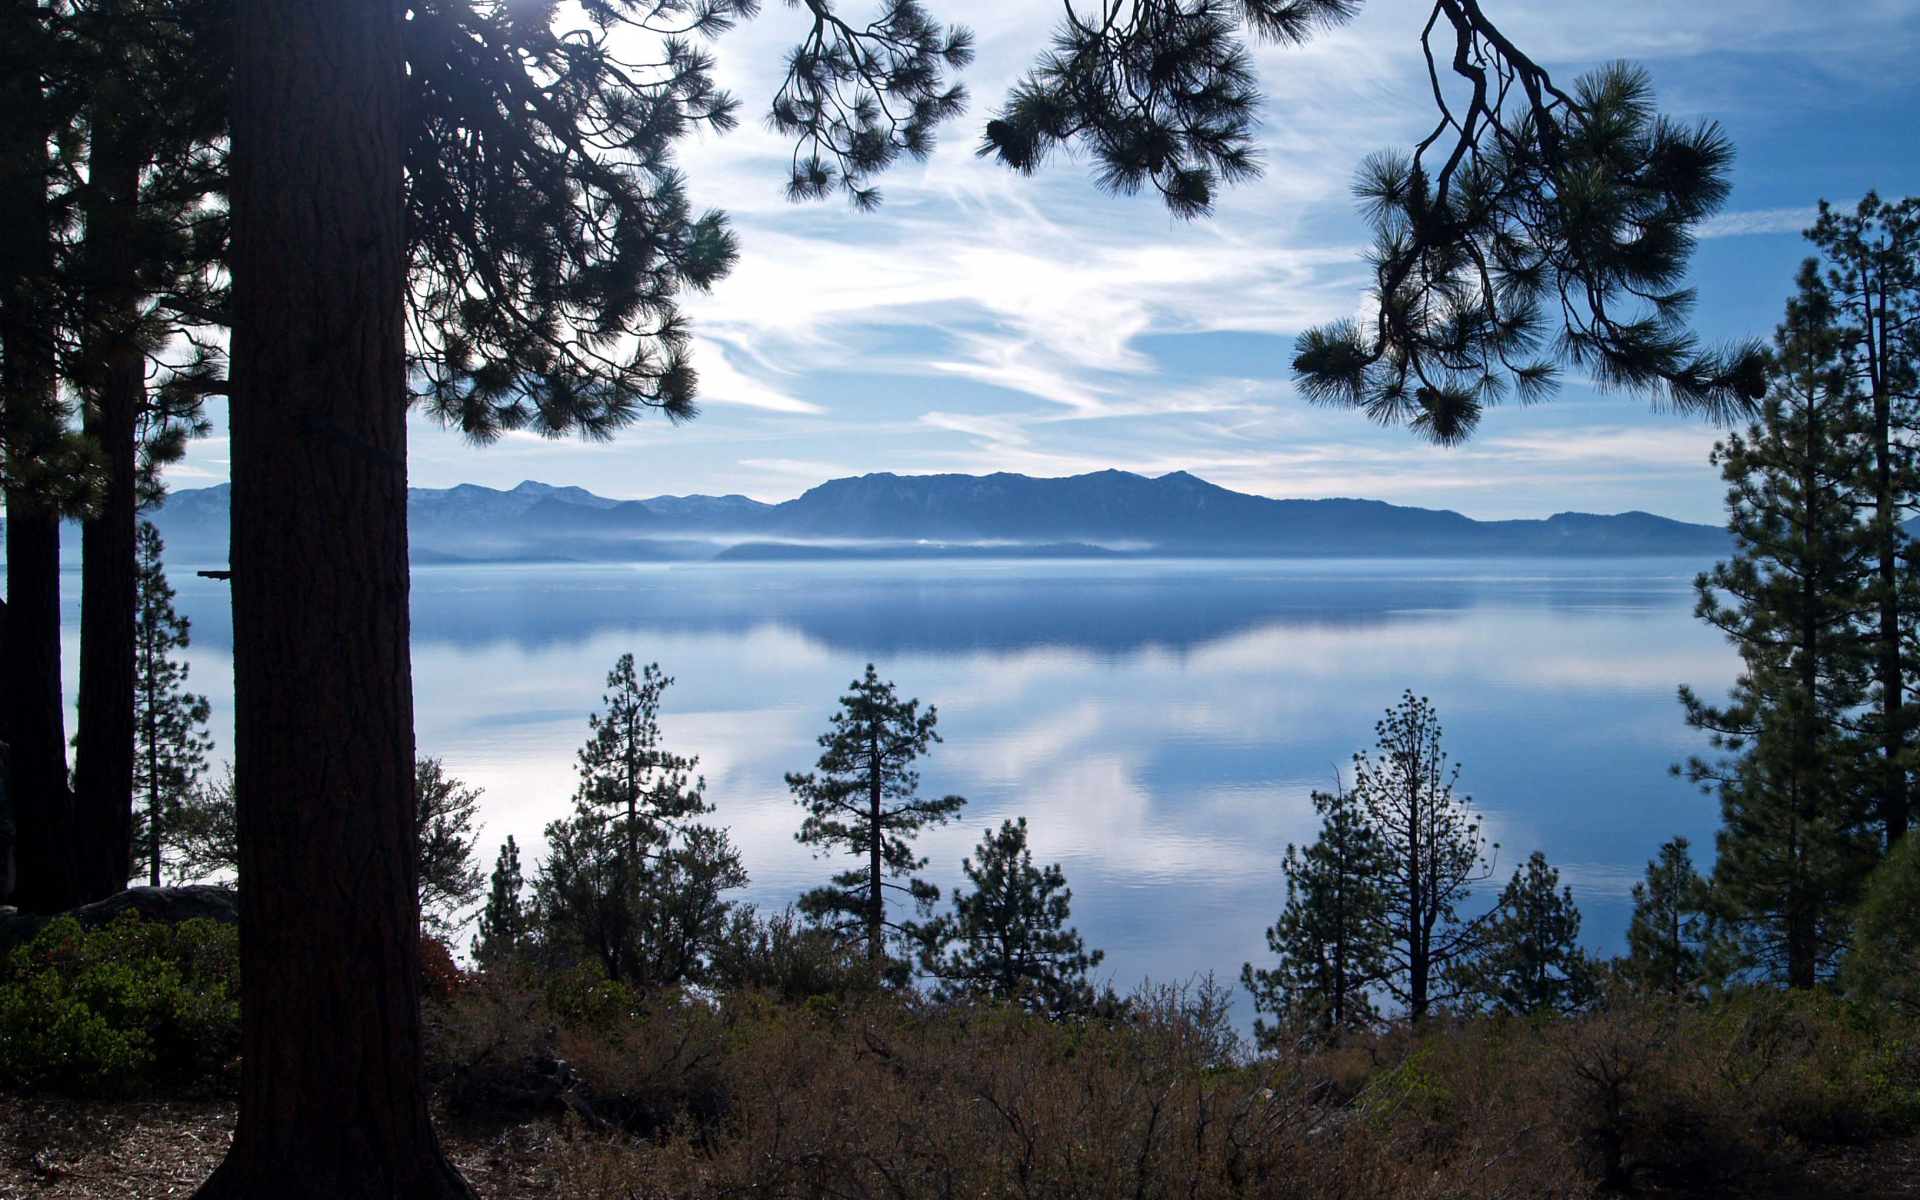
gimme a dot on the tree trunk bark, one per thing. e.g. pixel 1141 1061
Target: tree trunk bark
pixel 332 1093
pixel 37 761
pixel 1889 669
pixel 103 749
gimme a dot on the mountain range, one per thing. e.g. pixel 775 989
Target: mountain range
pixel 1106 513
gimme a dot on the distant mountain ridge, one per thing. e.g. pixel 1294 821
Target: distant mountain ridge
pixel 932 516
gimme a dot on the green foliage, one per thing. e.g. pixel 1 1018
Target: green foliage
pixel 1556 229
pixel 788 958
pixel 862 799
pixel 855 97
pixel 1329 936
pixel 1159 93
pixel 120 1008
pixel 1529 960
pixel 1008 939
pixel 1884 959
pixel 444 813
pixel 1792 600
pixel 631 880
pixel 1668 936
pixel 1433 848
pixel 1870 282
pixel 505 924
pixel 170 723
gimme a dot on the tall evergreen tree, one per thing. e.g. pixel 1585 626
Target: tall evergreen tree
pixel 630 880
pixel 148 123
pixel 1872 260
pixel 1791 601
pixel 170 723
pixel 1529 960
pixel 1329 937
pixel 1433 849
pixel 47 471
pixel 1668 935
pixel 862 798
pixel 504 925
pixel 1007 938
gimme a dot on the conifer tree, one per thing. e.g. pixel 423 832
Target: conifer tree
pixel 170 723
pixel 630 880
pixel 1792 599
pixel 862 799
pixel 1007 938
pixel 1872 278
pixel 504 925
pixel 1668 935
pixel 1529 959
pixel 443 817
pixel 1433 848
pixel 1329 937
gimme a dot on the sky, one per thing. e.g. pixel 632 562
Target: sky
pixel 980 321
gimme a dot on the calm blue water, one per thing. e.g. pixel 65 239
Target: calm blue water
pixel 1159 724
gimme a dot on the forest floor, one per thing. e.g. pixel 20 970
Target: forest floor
pixel 64 1149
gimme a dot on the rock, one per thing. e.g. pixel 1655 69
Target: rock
pixel 170 904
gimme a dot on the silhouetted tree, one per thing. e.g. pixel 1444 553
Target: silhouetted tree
pixel 1330 936
pixel 630 880
pixel 148 119
pixel 1529 959
pixel 1792 601
pixel 444 813
pixel 862 799
pixel 1532 226
pixel 1871 258
pixel 504 924
pixel 1668 935
pixel 170 723
pixel 1433 849
pixel 1008 939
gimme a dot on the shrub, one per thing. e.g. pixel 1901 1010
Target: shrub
pixel 128 1006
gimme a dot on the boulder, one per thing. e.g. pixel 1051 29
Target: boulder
pixel 170 904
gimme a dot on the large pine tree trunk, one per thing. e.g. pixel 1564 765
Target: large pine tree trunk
pixel 103 751
pixel 332 1094
pixel 1888 669
pixel 37 759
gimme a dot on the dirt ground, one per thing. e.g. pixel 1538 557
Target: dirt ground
pixel 78 1150
pixel 146 1150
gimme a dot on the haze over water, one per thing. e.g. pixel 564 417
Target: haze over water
pixel 1161 725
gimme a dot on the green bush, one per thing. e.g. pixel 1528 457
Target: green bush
pixel 121 1008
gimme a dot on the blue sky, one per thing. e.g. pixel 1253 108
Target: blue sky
pixel 983 322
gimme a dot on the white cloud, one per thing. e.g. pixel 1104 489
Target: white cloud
pixel 1760 220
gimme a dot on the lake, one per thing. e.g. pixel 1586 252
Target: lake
pixel 1160 724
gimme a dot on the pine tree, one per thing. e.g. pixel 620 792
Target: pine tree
pixel 863 798
pixel 1008 939
pixel 630 880
pixel 1872 260
pixel 504 923
pixel 1433 848
pixel 1529 960
pixel 170 723
pixel 1329 935
pixel 1791 600
pixel 443 817
pixel 1668 935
